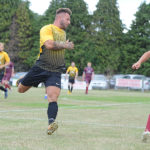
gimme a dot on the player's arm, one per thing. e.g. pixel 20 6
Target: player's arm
pixel 83 75
pixel 67 72
pixel 46 36
pixel 143 58
pixel 56 45
pixel 76 73
pixel 92 75
pixel 7 61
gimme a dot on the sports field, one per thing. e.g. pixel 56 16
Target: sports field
pixel 101 120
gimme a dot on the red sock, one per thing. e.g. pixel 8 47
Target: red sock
pixel 86 90
pixel 7 86
pixel 148 124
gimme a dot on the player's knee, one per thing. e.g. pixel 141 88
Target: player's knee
pixel 21 90
pixel 52 98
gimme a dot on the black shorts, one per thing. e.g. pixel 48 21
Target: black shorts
pixel 71 80
pixel 1 75
pixel 88 80
pixel 36 75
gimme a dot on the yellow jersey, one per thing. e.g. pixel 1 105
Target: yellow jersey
pixel 51 60
pixel 72 71
pixel 4 58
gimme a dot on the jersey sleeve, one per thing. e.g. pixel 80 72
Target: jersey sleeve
pixel 76 70
pixel 46 34
pixel 68 69
pixel 7 59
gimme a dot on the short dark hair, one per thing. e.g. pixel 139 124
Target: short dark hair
pixel 66 10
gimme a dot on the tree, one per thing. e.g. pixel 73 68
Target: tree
pixel 107 32
pixel 21 41
pixel 7 10
pixel 137 41
pixel 78 32
pixel 51 11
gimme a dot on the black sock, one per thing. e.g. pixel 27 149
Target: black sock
pixel 71 88
pixel 3 89
pixel 52 112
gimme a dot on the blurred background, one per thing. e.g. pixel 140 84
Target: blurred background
pixel 112 34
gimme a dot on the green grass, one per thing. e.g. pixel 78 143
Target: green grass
pixel 101 120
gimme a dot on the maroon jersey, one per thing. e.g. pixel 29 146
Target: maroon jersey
pixel 8 69
pixel 88 72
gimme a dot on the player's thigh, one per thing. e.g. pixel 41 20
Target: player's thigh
pixel 22 88
pixel 52 93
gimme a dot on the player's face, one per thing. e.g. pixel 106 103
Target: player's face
pixel 89 64
pixel 1 47
pixel 65 21
pixel 73 64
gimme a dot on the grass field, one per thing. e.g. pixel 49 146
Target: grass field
pixel 101 120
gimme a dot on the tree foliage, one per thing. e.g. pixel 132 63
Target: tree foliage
pixel 7 11
pixel 107 28
pixel 137 41
pixel 98 37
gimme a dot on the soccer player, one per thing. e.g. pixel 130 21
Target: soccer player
pixel 73 73
pixel 136 66
pixel 50 63
pixel 143 58
pixel 88 75
pixel 9 72
pixel 4 62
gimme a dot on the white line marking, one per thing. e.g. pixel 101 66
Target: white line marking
pixel 76 106
pixel 95 124
pixel 23 110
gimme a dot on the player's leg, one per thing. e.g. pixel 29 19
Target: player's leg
pixel 35 76
pixel 87 86
pixel 53 86
pixel 146 134
pixel 4 90
pixel 52 95
pixel 22 88
pixel 7 85
pixel 72 83
pixel 1 86
pixel 69 87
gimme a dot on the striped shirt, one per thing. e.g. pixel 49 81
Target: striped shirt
pixel 51 60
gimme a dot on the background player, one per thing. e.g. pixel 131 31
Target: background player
pixel 50 63
pixel 143 58
pixel 73 73
pixel 4 61
pixel 137 65
pixel 9 72
pixel 88 75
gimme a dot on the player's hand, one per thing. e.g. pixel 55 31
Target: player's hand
pixel 69 45
pixel 136 66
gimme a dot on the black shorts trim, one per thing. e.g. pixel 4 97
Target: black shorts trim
pixel 36 75
pixel 72 80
